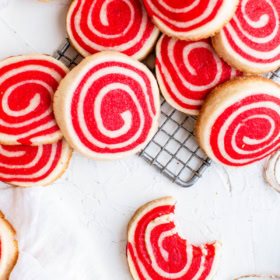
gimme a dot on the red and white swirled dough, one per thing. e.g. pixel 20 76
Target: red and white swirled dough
pixel 27 86
pixel 251 40
pixel 240 121
pixel 27 166
pixel 190 20
pixel 108 106
pixel 187 71
pixel 8 248
pixel 111 25
pixel 155 251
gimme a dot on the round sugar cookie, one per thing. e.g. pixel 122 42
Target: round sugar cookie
pixel 108 106
pixel 111 25
pixel 28 166
pixel 190 20
pixel 251 40
pixel 156 251
pixel 27 86
pixel 239 122
pixel 8 248
pixel 187 71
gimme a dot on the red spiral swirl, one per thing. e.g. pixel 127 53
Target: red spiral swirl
pixel 115 25
pixel 192 20
pixel 245 128
pixel 251 40
pixel 27 85
pixel 27 166
pixel 111 105
pixel 188 71
pixel 155 251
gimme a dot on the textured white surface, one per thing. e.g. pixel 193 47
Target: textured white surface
pixel 231 205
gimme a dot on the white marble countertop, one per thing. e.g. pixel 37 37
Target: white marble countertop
pixel 235 206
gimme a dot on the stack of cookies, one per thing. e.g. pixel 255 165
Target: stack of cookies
pixel 108 106
pixel 32 151
pixel 208 55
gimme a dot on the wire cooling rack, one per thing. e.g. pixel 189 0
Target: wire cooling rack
pixel 275 76
pixel 173 150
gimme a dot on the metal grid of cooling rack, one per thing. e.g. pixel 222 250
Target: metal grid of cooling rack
pixel 275 76
pixel 173 150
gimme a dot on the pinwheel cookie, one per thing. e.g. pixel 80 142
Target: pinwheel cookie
pixel 116 25
pixel 27 166
pixel 8 248
pixel 188 71
pixel 251 40
pixel 27 85
pixel 108 106
pixel 239 122
pixel 155 250
pixel 190 20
